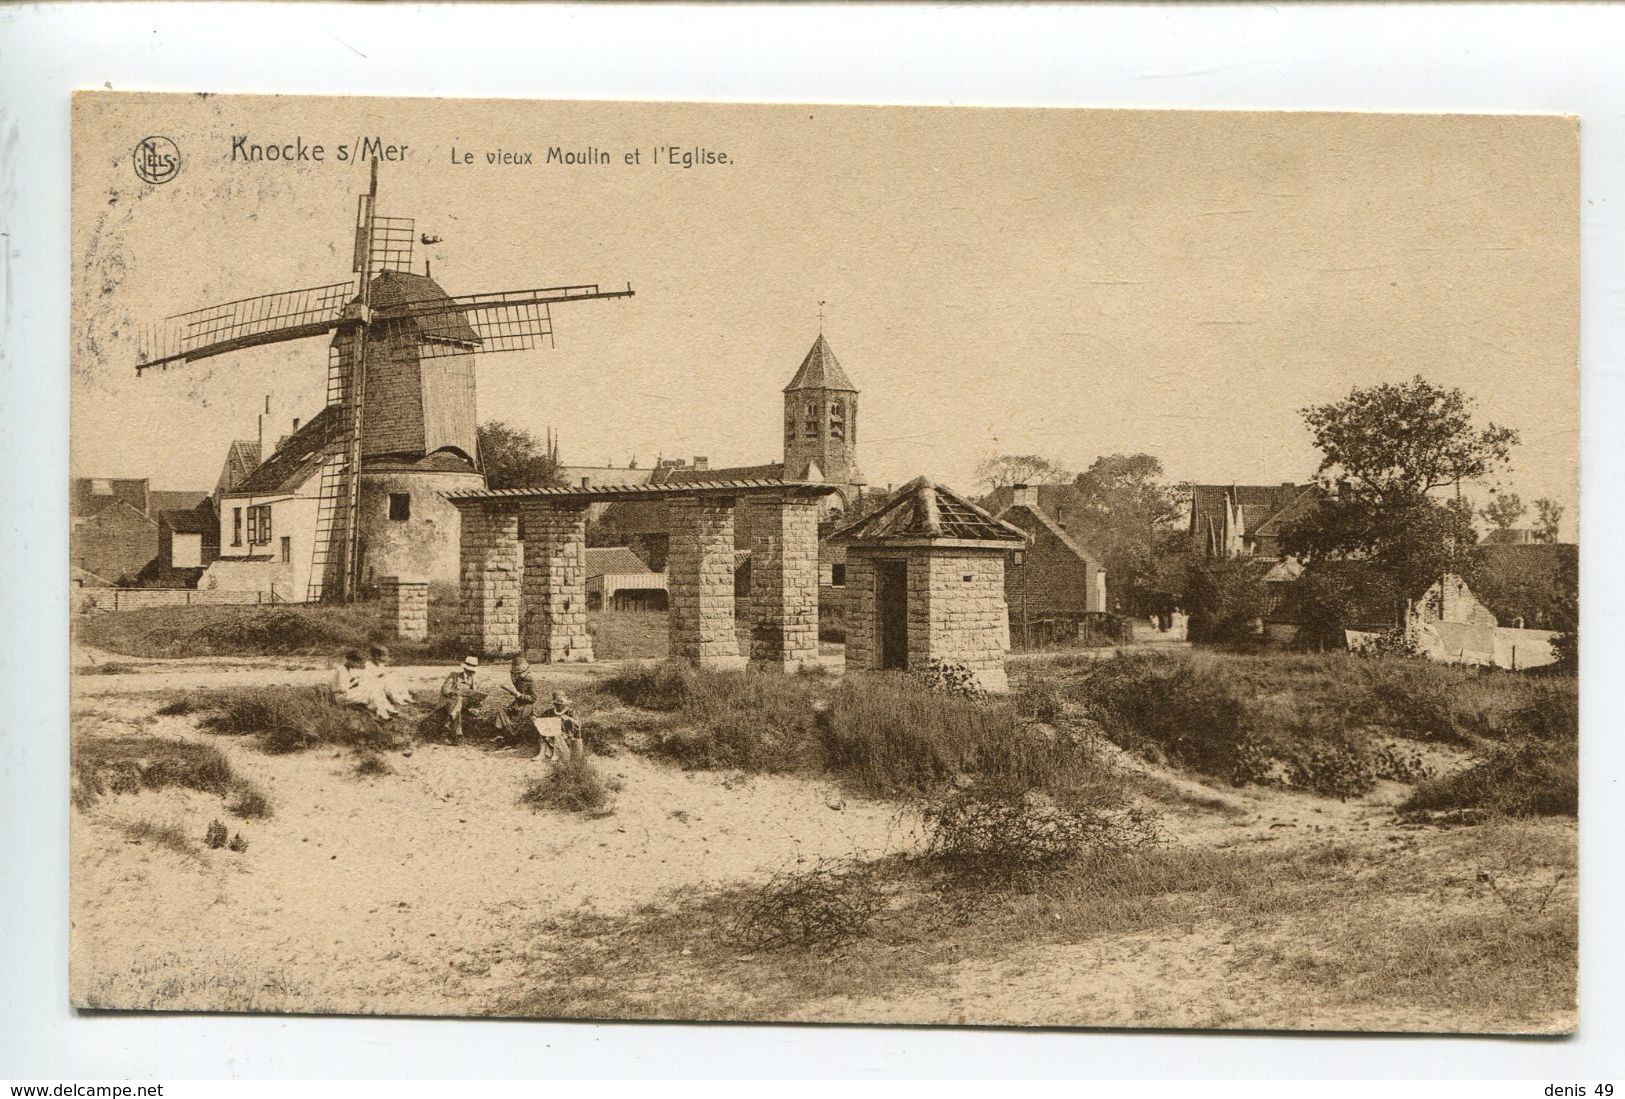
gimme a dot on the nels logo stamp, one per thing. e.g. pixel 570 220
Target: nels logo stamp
pixel 157 159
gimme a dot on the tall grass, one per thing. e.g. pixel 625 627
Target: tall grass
pixel 572 785
pixel 287 719
pixel 1318 722
pixel 880 734
pixel 167 632
pixel 130 764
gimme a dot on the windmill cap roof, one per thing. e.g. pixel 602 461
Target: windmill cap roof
pixel 820 370
pixel 923 509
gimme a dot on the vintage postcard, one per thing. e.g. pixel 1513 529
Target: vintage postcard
pixel 825 563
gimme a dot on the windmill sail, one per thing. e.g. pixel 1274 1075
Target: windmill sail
pixel 508 320
pixel 247 322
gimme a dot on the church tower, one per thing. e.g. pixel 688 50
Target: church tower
pixel 821 423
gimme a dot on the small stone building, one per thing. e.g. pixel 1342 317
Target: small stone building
pixel 925 579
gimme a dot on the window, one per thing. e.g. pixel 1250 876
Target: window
pixel 837 420
pixel 259 525
pixel 236 526
pixel 837 575
pixel 400 506
pixel 812 419
pixel 287 549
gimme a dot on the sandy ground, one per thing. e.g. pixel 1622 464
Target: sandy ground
pixel 406 893
pixel 401 893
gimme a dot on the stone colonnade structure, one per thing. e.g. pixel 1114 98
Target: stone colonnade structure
pixel 405 602
pixel 924 580
pixel 524 585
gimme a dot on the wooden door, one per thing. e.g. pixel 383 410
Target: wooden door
pixel 891 612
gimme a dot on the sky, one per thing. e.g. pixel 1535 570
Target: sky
pixel 1069 283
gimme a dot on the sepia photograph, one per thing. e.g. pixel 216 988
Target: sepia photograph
pixel 828 564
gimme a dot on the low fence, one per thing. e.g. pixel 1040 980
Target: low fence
pixel 85 600
pixel 1081 629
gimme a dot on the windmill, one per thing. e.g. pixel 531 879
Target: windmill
pixel 398 379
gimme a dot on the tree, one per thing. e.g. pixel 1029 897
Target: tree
pixel 1550 514
pixel 1127 512
pixel 999 470
pixel 1225 598
pixel 1504 510
pixel 1386 449
pixel 1402 441
pixel 514 458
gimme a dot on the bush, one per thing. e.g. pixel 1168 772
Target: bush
pixel 1006 838
pixel 882 734
pixel 215 837
pixel 248 802
pixel 290 719
pixel 130 764
pixel 832 903
pixel 953 679
pixel 1225 598
pixel 372 765
pixel 1188 712
pixel 1526 778
pixel 572 785
pixel 664 687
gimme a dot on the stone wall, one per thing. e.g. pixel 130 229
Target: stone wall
pixel 966 620
pixel 555 585
pixel 491 563
pixel 783 605
pixel 426 543
pixel 404 601
pixel 956 610
pixel 700 582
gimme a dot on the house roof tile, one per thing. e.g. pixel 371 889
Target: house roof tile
pixel 292 463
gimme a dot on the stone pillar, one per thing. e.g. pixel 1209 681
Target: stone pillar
pixel 555 587
pixel 700 581
pixel 783 609
pixel 490 562
pixel 862 647
pixel 405 601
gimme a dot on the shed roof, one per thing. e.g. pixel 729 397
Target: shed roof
pixel 608 493
pixel 820 370
pixel 613 560
pixel 188 520
pixel 922 509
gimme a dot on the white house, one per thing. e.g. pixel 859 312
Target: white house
pixel 268 520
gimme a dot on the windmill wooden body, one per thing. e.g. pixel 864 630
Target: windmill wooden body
pixel 400 385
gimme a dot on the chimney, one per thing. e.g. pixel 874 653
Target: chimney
pixel 1024 496
pixel 701 461
pixel 262 417
pixel 295 425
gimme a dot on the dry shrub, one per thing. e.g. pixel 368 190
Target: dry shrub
pixel 372 765
pixel 215 837
pixel 163 835
pixel 291 719
pixel 828 904
pixel 130 764
pixel 1526 778
pixel 1001 839
pixel 248 801
pixel 572 785
pixel 665 687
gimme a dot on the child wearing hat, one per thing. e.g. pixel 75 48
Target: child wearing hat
pixel 558 706
pixel 459 693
